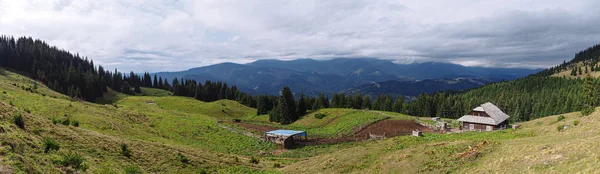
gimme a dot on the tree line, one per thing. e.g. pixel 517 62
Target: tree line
pixel 78 77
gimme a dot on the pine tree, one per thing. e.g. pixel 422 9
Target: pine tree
pixel 286 106
pixel 398 104
pixel 137 90
pixel 125 88
pixel 155 82
pixel 366 102
pixel 357 102
pixel 589 95
pixel 301 105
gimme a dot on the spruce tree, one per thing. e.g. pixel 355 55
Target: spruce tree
pixel 398 104
pixel 286 106
pixel 357 102
pixel 125 88
pixel 589 95
pixel 366 102
pixel 301 105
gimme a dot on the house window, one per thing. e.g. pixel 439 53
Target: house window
pixel 471 126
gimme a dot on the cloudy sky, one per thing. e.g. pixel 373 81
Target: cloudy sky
pixel 161 35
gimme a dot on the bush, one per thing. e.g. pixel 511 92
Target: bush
pixel 132 169
pixel 237 120
pixel 560 118
pixel 65 122
pixel 74 160
pixel 18 120
pixel 50 144
pixel 587 111
pixel 576 122
pixel 125 151
pixel 277 165
pixel 55 121
pixel 75 123
pixel 560 127
pixel 182 158
pixel 320 116
pixel 254 160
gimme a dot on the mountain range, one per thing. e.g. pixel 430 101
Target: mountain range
pixel 364 75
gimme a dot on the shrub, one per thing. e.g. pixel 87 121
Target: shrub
pixel 132 169
pixel 182 158
pixel 125 151
pixel 237 120
pixel 254 160
pixel 27 110
pixel 236 159
pixel 74 160
pixel 587 111
pixel 576 122
pixel 277 165
pixel 11 103
pixel 560 118
pixel 50 144
pixel 65 122
pixel 18 120
pixel 560 127
pixel 320 116
pixel 75 123
pixel 55 121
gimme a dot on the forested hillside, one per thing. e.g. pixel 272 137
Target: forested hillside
pixel 78 77
pixel 535 96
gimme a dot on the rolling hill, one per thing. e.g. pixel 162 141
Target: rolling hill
pixel 336 75
pixel 414 88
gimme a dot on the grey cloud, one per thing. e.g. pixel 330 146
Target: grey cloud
pixel 155 35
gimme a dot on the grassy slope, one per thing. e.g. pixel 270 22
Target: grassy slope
pixel 537 147
pixel 337 121
pixel 567 73
pixel 155 135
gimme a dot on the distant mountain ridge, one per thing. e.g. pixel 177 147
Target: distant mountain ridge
pixel 412 89
pixel 311 76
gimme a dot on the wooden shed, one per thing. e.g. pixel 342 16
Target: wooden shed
pixel 284 138
pixel 486 117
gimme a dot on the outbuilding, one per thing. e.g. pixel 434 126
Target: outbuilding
pixel 286 138
pixel 486 117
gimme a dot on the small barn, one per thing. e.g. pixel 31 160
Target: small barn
pixel 286 138
pixel 486 117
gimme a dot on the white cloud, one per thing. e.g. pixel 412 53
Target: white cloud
pixel 155 35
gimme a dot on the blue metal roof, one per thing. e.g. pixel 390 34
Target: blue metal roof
pixel 287 132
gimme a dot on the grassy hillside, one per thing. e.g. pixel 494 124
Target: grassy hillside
pixel 155 133
pixel 336 121
pixel 566 73
pixel 538 147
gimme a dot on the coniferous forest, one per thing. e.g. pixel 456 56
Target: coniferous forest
pixel 524 99
pixel 532 97
pixel 78 77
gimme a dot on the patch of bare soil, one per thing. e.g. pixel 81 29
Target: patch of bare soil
pixel 387 128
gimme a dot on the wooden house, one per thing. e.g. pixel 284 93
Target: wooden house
pixel 486 117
